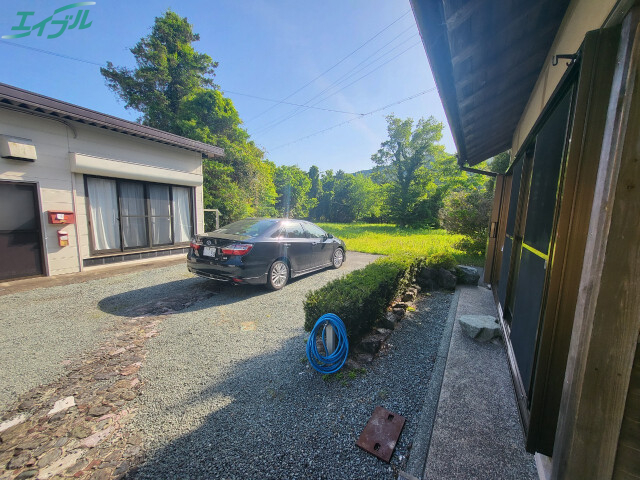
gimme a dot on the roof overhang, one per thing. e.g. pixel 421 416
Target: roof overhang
pixel 486 56
pixel 23 100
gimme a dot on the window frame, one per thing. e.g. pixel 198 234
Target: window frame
pixel 148 217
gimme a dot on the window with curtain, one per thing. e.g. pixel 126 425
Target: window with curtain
pixel 105 226
pixel 133 214
pixel 181 214
pixel 127 214
pixel 160 208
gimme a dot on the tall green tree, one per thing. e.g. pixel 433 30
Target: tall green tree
pixel 315 192
pixel 325 201
pixel 172 87
pixel 168 70
pixel 355 197
pixel 292 187
pixel 408 153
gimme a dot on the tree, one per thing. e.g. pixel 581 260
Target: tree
pixel 354 198
pixel 292 186
pixel 222 193
pixel 408 152
pixel 499 164
pixel 169 70
pixel 172 86
pixel 325 201
pixel 315 192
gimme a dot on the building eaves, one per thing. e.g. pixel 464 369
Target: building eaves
pixel 18 99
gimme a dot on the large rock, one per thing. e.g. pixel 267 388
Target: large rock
pixel 409 296
pixel 371 343
pixel 389 320
pixel 427 279
pixel 467 275
pixel 446 279
pixel 480 327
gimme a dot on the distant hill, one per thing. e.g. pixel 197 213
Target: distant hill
pixel 367 173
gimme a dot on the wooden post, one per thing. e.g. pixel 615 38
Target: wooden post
pixel 607 318
pixel 493 230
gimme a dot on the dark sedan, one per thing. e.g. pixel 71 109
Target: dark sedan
pixel 267 251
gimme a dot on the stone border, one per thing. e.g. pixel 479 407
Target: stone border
pixel 420 448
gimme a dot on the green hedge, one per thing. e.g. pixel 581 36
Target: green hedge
pixel 361 297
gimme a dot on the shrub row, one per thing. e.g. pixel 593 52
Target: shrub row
pixel 361 297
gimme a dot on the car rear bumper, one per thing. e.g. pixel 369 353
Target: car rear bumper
pixel 233 273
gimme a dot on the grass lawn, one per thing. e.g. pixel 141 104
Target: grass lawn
pixel 388 239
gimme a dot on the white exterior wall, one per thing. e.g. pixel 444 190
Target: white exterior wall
pixel 60 189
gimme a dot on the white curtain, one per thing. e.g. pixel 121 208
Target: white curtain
pixel 134 229
pixel 103 200
pixel 181 215
pixel 160 214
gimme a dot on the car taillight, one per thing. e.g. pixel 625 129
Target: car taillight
pixel 237 249
pixel 194 244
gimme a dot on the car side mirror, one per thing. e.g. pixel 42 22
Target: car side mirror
pixel 329 235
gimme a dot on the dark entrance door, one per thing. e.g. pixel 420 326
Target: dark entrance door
pixel 20 231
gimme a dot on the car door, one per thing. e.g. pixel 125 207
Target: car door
pixel 296 246
pixel 321 246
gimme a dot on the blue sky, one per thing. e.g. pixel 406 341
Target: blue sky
pixel 265 48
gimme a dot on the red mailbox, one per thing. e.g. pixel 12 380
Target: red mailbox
pixel 59 216
pixel 63 238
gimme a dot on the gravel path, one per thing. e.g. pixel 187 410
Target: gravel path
pixel 44 329
pixel 228 392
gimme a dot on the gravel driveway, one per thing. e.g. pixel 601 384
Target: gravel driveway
pixel 229 394
pixel 43 330
pixel 227 391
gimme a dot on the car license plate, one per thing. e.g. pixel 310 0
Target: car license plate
pixel 209 251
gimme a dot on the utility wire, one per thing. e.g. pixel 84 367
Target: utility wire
pixel 68 57
pixel 306 107
pixel 352 119
pixel 358 115
pixel 349 74
pixel 48 52
pixel 288 103
pixel 331 68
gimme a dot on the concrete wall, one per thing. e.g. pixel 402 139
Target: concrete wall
pixel 582 16
pixel 60 189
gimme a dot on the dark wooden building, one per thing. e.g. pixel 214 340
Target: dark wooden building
pixel 558 83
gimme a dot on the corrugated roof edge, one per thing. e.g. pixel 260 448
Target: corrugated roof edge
pixel 31 101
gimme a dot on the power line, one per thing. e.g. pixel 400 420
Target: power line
pixel 346 75
pixel 68 57
pixel 289 103
pixel 306 107
pixel 358 115
pixel 331 68
pixel 352 119
pixel 48 52
pixel 350 73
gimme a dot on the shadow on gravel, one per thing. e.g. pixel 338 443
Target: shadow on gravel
pixel 171 297
pixel 272 417
pixel 266 425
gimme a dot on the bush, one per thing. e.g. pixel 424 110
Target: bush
pixel 361 297
pixel 467 213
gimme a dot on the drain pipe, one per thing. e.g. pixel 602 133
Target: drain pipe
pixel 473 170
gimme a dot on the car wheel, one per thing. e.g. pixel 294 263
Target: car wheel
pixel 338 258
pixel 278 275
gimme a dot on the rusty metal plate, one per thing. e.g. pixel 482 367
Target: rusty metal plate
pixel 381 433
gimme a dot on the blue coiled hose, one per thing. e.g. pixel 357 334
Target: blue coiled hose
pixel 328 363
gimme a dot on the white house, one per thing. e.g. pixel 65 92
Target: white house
pixel 80 188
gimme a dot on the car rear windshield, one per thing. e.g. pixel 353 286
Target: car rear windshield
pixel 249 227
